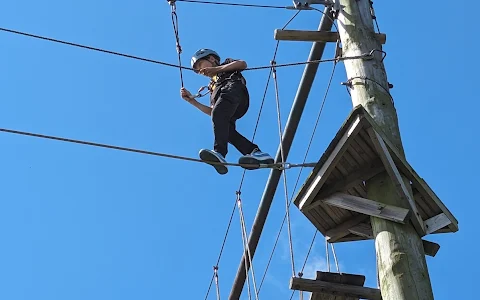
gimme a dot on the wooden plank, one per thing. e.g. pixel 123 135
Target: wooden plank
pixel 355 146
pixel 423 188
pixel 359 191
pixel 366 231
pixel 319 223
pixel 318 286
pixel 364 173
pixel 422 207
pixel 344 278
pixel 314 36
pixel 330 163
pixel 369 151
pixel 325 216
pixel 392 170
pixel 353 152
pixel 351 238
pixel 352 163
pixel 341 230
pixel 362 229
pixel 435 223
pixel 408 171
pixel 368 207
pixel 430 248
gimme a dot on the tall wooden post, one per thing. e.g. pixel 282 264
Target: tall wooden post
pixel 403 272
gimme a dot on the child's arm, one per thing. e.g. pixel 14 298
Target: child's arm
pixel 187 96
pixel 207 110
pixel 233 65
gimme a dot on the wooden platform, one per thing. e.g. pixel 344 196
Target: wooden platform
pixel 333 197
pixel 314 36
pixel 335 286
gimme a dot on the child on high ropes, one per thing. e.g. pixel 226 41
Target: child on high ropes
pixel 229 101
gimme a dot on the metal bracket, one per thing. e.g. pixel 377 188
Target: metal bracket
pixel 335 8
pixel 305 5
pixel 336 5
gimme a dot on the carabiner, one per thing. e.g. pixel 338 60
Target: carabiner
pixel 199 94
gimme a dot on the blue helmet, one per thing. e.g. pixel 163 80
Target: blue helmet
pixel 202 53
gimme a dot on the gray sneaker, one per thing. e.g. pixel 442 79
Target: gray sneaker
pixel 257 157
pixel 213 156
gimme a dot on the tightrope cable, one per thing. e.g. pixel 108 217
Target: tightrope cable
pixel 362 56
pixel 91 48
pixel 233 4
pixel 138 150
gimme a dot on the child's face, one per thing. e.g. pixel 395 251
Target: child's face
pixel 204 63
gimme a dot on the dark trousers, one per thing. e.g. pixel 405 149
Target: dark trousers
pixel 232 102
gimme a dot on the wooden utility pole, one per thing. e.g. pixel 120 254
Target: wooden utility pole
pixel 403 272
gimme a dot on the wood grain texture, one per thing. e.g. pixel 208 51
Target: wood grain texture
pixel 368 207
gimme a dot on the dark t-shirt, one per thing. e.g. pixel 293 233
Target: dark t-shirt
pixel 222 78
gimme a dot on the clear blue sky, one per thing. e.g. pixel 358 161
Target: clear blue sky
pixel 79 222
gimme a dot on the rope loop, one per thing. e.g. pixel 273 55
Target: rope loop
pixel 173 7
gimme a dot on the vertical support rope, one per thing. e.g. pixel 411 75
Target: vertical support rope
pixel 300 274
pixel 327 255
pixel 284 173
pixel 335 258
pixel 298 180
pixel 245 244
pixel 173 7
pixel 374 17
pixel 246 262
pixel 215 271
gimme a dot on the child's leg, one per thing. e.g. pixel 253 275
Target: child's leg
pixel 240 142
pixel 252 155
pixel 222 114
